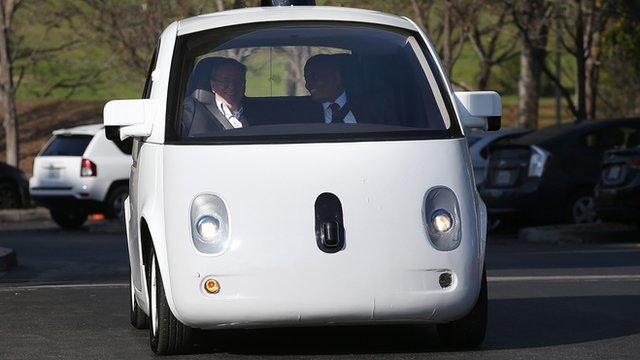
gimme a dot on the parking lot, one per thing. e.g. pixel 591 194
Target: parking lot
pixel 68 299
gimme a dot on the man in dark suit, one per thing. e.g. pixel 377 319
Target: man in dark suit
pixel 217 102
pixel 324 81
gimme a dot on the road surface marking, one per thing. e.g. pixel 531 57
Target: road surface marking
pixel 64 286
pixel 569 278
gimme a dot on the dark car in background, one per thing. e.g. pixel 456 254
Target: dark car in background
pixel 548 176
pixel 479 144
pixel 14 188
pixel 617 194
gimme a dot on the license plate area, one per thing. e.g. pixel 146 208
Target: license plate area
pixel 613 173
pixel 503 177
pixel 54 174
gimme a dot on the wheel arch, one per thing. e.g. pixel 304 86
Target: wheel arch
pixel 152 239
pixel 114 185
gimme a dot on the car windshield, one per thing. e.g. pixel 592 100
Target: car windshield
pixel 67 145
pixel 307 82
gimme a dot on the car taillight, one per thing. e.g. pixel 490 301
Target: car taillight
pixel 538 161
pixel 88 168
pixel 634 164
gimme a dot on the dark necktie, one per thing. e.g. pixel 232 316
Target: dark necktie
pixel 335 108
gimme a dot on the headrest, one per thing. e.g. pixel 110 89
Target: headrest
pixel 201 75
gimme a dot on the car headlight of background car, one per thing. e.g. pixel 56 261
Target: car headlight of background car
pixel 441 217
pixel 209 224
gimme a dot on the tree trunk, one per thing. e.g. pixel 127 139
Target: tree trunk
pixel 592 76
pixel 6 93
pixel 484 75
pixel 529 85
pixel 446 47
pixel 581 60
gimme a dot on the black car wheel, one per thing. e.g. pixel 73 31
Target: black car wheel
pixel 115 202
pixel 468 332
pixel 583 209
pixel 167 334
pixel 9 196
pixel 69 220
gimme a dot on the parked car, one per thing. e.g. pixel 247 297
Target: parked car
pixel 479 144
pixel 618 191
pixel 548 176
pixel 289 218
pixel 14 188
pixel 79 172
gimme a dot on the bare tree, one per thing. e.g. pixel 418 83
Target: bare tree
pixel 485 38
pixel 532 18
pixel 583 22
pixel 7 89
pixel 130 28
pixel 450 33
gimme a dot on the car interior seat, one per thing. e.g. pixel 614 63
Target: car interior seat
pixel 198 85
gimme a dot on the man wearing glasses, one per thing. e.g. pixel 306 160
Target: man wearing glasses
pixel 228 85
pixel 216 100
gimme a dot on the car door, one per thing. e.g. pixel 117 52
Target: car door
pixel 135 253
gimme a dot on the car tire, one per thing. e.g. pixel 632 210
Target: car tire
pixel 9 196
pixel 138 318
pixel 115 202
pixel 468 332
pixel 582 209
pixel 168 336
pixel 69 220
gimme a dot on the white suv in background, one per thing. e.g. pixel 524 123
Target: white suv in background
pixel 79 172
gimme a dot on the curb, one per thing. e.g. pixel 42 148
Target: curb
pixel 24 215
pixel 580 233
pixel 8 259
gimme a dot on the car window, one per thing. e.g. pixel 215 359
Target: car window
pixel 308 81
pixel 67 145
pixel 125 146
pixel 146 92
pixel 631 137
pixel 609 138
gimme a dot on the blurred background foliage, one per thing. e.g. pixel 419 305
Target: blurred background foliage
pixel 99 49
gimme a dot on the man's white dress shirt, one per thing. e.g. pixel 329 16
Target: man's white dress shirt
pixel 231 116
pixel 341 100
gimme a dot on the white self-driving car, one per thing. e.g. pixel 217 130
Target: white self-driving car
pixel 276 207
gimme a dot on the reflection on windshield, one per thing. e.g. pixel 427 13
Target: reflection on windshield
pixel 288 79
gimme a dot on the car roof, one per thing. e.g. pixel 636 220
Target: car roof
pixel 80 130
pixel 554 132
pixel 289 13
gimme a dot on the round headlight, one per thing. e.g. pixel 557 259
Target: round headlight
pixel 208 228
pixel 442 220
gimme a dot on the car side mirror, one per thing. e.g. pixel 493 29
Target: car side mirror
pixel 479 109
pixel 129 118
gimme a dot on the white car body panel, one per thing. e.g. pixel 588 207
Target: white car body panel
pixel 289 13
pixel 273 272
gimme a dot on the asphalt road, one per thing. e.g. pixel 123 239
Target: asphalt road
pixel 68 300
